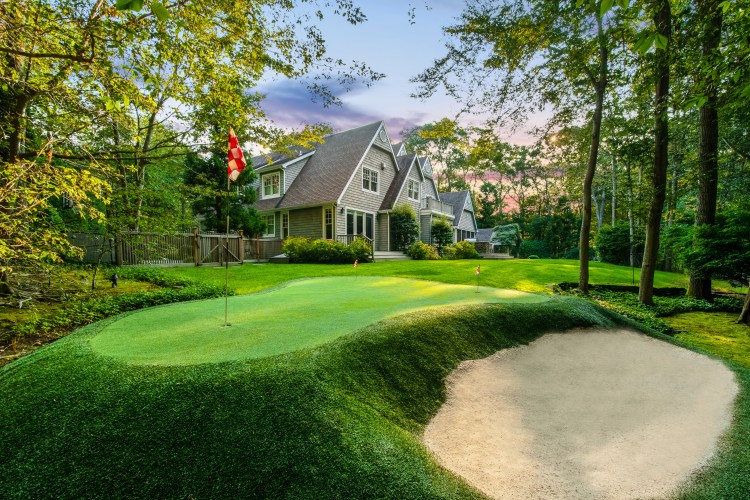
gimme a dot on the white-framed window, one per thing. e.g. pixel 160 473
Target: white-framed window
pixel 369 180
pixel 412 189
pixel 270 221
pixel 271 185
pixel 328 223
pixel 285 225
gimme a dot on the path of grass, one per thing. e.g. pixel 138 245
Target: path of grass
pixel 520 274
pixel 714 332
pixel 300 315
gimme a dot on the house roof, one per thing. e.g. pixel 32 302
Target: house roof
pixel 328 171
pixel 458 200
pixel 398 147
pixel 405 163
pixel 266 160
pixel 485 235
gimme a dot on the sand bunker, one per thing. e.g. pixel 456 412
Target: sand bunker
pixel 585 414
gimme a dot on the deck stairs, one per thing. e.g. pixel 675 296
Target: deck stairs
pixel 388 256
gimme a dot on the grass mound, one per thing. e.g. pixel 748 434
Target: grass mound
pixel 300 315
pixel 339 421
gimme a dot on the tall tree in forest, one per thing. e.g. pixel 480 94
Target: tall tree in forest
pixel 662 18
pixel 710 20
pixel 509 54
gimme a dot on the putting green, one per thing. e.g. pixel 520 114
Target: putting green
pixel 302 314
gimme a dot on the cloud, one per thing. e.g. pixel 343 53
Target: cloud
pixel 289 104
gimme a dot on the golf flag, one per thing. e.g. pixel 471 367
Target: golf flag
pixel 477 271
pixel 236 160
pixel 356 263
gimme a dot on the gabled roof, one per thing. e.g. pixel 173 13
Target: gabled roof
pixel 485 235
pixel 398 149
pixel 405 164
pixel 266 160
pixel 327 173
pixel 458 200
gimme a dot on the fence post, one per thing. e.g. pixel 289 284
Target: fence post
pixel 241 247
pixel 196 247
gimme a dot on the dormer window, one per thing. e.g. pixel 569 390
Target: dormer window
pixel 412 190
pixel 271 185
pixel 369 180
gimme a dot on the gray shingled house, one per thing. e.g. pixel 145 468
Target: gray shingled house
pixel 346 187
pixel 464 222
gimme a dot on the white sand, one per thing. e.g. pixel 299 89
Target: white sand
pixel 584 414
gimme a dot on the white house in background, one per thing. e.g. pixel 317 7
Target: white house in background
pixel 347 186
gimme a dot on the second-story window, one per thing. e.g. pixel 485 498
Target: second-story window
pixel 369 180
pixel 271 184
pixel 413 190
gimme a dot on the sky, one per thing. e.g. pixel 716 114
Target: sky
pixel 391 42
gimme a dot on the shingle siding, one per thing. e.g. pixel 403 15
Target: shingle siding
pixel 425 234
pixel 467 222
pixel 292 171
pixel 306 222
pixel 403 196
pixel 381 233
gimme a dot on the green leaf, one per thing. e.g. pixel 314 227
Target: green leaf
pixel 123 4
pixel 623 4
pixel 125 101
pixel 725 6
pixel 159 11
pixel 136 5
pixel 644 42
pixel 606 6
pixel 661 41
pixel 695 102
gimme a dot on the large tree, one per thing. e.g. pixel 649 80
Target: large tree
pixel 521 56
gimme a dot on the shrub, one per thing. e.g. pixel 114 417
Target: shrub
pixel 311 251
pixel 360 250
pixel 538 248
pixel 613 244
pixel 404 228
pixel 442 233
pixel 422 251
pixel 463 250
pixel 533 257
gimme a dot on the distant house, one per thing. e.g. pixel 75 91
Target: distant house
pixel 346 188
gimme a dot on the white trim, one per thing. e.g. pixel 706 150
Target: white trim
pixel 359 163
pixel 276 164
pixel 377 181
pixel 266 234
pixel 332 208
pixel 419 190
pixel 263 195
pixel 288 224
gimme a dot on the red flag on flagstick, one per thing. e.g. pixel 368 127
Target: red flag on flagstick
pixel 236 160
pixel 356 263
pixel 477 271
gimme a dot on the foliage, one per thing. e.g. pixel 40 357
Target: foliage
pixel 206 185
pixel 539 249
pixel 303 250
pixel 82 312
pixel 613 244
pixel 29 226
pixel 461 250
pixel 404 227
pixel 560 230
pixel 722 249
pixel 422 251
pixel 360 250
pixel 441 232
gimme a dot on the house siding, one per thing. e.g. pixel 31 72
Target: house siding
pixel 282 183
pixel 355 198
pixel 467 222
pixel 425 233
pixel 381 232
pixel 382 143
pixel 403 196
pixel 292 171
pixel 428 189
pixel 306 222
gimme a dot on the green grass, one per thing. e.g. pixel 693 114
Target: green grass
pixel 343 420
pixel 714 332
pixel 302 314
pixel 518 274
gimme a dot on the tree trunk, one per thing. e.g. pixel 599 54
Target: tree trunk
pixel 745 314
pixel 614 189
pixel 710 15
pixel 600 87
pixel 17 127
pixel 662 22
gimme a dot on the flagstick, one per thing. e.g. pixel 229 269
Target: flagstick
pixel 226 261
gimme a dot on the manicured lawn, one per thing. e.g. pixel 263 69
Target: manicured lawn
pixel 340 416
pixel 302 314
pixel 519 274
pixel 714 332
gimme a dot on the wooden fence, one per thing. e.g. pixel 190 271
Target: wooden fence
pixel 184 248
